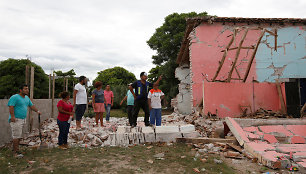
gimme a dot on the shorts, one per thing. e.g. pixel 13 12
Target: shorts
pixel 17 128
pixel 99 107
pixel 79 111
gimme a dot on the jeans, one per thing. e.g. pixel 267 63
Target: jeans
pixel 144 105
pixel 130 109
pixel 63 131
pixel 107 109
pixel 155 115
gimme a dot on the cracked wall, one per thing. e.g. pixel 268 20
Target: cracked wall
pixel 208 42
pixel 184 96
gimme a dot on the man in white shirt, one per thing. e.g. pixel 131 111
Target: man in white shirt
pixel 80 100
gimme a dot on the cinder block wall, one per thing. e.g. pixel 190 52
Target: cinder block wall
pixel 43 105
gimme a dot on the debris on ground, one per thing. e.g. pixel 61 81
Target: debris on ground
pixel 263 114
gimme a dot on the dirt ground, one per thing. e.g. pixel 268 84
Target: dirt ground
pixel 178 158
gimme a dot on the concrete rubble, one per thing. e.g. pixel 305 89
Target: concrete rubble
pixel 115 133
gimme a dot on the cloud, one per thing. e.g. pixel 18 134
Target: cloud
pixel 89 36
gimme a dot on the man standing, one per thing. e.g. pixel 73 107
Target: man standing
pixel 130 104
pixel 80 100
pixel 18 106
pixel 141 97
pixel 109 97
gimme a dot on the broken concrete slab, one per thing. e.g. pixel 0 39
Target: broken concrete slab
pixel 168 137
pixel 167 129
pixel 237 131
pixel 275 128
pixel 297 140
pixel 270 138
pixel 187 128
pixel 204 140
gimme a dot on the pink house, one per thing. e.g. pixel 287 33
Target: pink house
pixel 227 65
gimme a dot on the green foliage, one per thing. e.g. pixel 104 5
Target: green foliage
pixel 167 41
pixel 12 75
pixel 59 82
pixel 119 93
pixel 115 76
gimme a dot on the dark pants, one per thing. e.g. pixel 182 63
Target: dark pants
pixel 130 109
pixel 79 111
pixel 145 107
pixel 63 131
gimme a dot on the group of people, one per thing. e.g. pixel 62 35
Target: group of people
pixel 138 96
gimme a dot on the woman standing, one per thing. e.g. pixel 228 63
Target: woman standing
pixel 98 99
pixel 65 112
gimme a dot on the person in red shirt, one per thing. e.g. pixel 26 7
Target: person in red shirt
pixel 65 113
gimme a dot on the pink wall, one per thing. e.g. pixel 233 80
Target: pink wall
pixel 207 42
pixel 226 97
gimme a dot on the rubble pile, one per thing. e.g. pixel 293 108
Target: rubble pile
pixel 115 133
pixel 264 114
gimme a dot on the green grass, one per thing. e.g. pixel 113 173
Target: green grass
pixel 109 160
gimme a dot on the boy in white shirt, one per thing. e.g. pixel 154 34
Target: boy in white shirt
pixel 154 100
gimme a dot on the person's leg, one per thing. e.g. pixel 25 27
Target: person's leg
pixel 107 108
pixel 135 113
pixel 130 112
pixel 17 128
pixel 16 145
pixel 77 116
pixel 61 132
pixel 101 118
pixel 152 117
pixel 158 117
pixel 147 113
pixel 66 132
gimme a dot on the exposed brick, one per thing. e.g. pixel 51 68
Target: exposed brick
pixel 270 138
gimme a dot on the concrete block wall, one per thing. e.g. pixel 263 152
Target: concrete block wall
pixel 43 105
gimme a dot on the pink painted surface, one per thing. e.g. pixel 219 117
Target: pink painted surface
pixel 250 129
pixel 287 148
pixel 297 129
pixel 297 140
pixel 207 43
pixel 228 97
pixel 253 136
pixel 303 163
pixel 272 155
pixel 259 133
pixel 275 128
pixel 300 154
pixel 239 130
pixel 270 138
pixel 260 146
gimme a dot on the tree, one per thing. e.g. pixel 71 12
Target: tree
pixel 12 75
pixel 59 82
pixel 166 41
pixel 115 76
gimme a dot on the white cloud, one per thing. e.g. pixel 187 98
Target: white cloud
pixel 92 35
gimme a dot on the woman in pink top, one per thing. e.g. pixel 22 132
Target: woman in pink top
pixel 109 101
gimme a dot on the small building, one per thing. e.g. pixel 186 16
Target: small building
pixel 231 65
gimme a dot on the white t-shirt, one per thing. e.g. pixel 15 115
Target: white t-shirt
pixel 155 95
pixel 81 95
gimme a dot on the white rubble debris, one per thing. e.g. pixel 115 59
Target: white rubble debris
pixel 115 133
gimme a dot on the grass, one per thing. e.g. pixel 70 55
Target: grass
pixel 109 160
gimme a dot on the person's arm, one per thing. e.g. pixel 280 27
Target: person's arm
pixel 35 109
pixel 149 103
pixel 61 110
pixel 303 110
pixel 93 100
pixel 159 79
pixel 74 97
pixel 112 100
pixel 131 89
pixel 123 100
pixel 11 108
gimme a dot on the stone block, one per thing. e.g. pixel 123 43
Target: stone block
pixel 193 134
pixel 149 137
pixel 168 137
pixel 187 128
pixel 167 129
pixel 122 139
pixel 121 129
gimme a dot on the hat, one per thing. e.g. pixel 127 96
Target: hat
pixel 130 84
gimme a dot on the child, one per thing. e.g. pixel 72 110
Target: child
pixel 154 100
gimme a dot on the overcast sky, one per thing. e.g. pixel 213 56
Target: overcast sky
pixel 92 35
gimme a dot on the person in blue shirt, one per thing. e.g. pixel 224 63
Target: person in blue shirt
pixel 130 104
pixel 18 107
pixel 141 97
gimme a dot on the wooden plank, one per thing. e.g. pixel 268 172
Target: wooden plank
pixel 253 56
pixel 237 148
pixel 234 48
pixel 270 32
pixel 275 38
pixel 49 86
pixel 204 140
pixel 31 97
pixel 224 56
pixel 237 55
pixel 280 95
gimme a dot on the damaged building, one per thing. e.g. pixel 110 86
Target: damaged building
pixel 231 65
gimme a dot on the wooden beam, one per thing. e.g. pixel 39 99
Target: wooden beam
pixel 281 98
pixel 237 73
pixel 204 140
pixel 253 56
pixel 224 55
pixel 252 47
pixel 270 32
pixel 53 90
pixel 49 86
pixel 275 38
pixel 237 55
pixel 27 77
pixel 31 97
